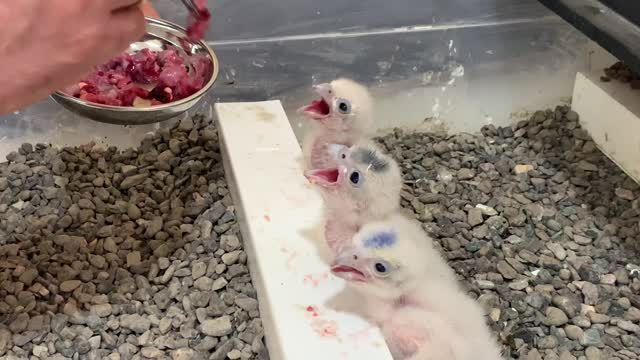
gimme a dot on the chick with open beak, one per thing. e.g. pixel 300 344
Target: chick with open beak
pixel 342 115
pixel 362 185
pixel 412 294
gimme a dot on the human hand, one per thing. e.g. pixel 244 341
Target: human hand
pixel 148 9
pixel 46 45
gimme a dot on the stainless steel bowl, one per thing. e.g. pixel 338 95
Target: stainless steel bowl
pixel 160 33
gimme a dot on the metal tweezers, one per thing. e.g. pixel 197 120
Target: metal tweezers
pixel 193 9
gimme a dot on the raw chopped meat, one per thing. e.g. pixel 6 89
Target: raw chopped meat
pixel 198 25
pixel 144 78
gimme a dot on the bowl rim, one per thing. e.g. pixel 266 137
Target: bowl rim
pixel 194 96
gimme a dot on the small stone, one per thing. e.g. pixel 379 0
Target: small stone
pixel 441 148
pixel 28 276
pixel 534 354
pixel 19 324
pixel 135 323
pixel 133 180
pixel 70 285
pixel 487 210
pixel 628 326
pixel 246 303
pixel 558 250
pixel 548 342
pixel 622 276
pixel 591 337
pixel 593 353
pixel 633 314
pixel 608 279
pixel 133 212
pixel 598 318
pixel 165 325
pixel 40 351
pixel 474 217
pixel 625 194
pixel 217 327
pixel 582 240
pixel 506 270
pixel 151 352
pixel 485 284
pixel 234 354
pixel 556 317
pixel 219 283
pixel 101 310
pixel 203 283
pixel 465 174
pixel 198 270
pixel 185 354
pixel 230 258
pixel 573 332
pixel 163 263
pixel 519 284
pixel 133 258
pixel 523 168
pixel 590 292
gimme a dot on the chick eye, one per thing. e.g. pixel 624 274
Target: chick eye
pixel 382 268
pixel 343 156
pixel 354 177
pixel 344 106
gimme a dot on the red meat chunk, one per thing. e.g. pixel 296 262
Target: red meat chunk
pixel 159 77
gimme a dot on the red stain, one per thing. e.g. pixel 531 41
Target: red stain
pixel 314 280
pixel 329 331
pixel 325 328
pixel 267 218
pixel 312 310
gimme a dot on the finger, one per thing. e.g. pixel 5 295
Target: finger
pixel 129 26
pixel 149 10
pixel 114 5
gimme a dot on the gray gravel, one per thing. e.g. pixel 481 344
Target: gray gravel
pixel 133 254
pixel 540 226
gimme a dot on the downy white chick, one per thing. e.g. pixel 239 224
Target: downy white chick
pixel 364 185
pixel 411 293
pixel 343 115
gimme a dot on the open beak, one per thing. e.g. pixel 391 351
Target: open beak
pixel 327 178
pixel 319 109
pixel 346 266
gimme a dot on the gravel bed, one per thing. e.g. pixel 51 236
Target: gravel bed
pixel 134 254
pixel 541 227
pixel 623 73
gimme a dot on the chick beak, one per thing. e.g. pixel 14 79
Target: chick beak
pixel 319 109
pixel 324 90
pixel 327 178
pixel 346 266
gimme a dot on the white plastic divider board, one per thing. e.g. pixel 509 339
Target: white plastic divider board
pixel 610 112
pixel 280 215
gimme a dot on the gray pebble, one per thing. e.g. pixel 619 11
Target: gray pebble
pixel 217 327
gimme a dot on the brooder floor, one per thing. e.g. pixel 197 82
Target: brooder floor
pixel 124 254
pixel 540 226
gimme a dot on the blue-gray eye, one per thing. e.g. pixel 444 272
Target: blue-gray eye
pixel 344 106
pixel 355 178
pixel 382 268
